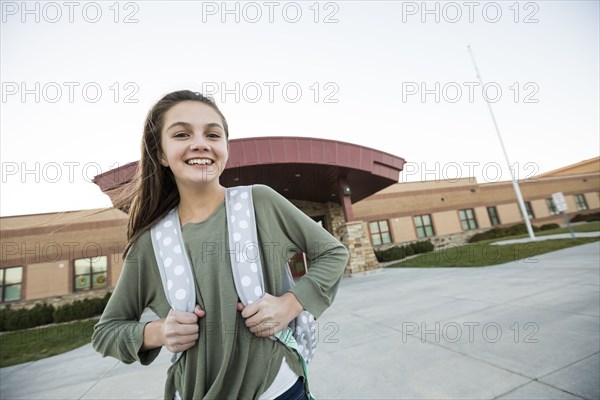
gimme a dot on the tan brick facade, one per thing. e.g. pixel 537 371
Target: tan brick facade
pixel 48 279
pixel 442 200
pixel 45 247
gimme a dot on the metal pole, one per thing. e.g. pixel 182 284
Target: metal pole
pixel 566 218
pixel 512 174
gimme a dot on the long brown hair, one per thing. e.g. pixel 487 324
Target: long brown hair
pixel 153 192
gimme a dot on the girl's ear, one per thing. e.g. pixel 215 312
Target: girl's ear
pixel 162 159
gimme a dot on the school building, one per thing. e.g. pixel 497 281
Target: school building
pixel 450 211
pixel 352 191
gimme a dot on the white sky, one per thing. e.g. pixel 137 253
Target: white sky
pixel 369 61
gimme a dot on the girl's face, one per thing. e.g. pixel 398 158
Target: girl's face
pixel 193 143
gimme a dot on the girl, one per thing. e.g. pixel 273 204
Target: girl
pixel 227 350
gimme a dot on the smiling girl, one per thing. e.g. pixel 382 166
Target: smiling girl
pixel 227 352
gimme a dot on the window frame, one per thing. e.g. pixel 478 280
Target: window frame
pixel 423 226
pixel 578 197
pixel 3 284
pixel 379 232
pixel 91 274
pixel 467 219
pixel 552 209
pixel 529 209
pixel 495 216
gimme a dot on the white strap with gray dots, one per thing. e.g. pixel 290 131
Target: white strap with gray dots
pixel 174 263
pixel 243 243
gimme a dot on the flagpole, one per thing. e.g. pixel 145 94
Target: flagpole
pixel 512 174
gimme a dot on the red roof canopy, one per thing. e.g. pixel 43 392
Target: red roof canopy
pixel 297 167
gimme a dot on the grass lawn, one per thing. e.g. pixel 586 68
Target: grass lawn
pixel 483 254
pixel 37 343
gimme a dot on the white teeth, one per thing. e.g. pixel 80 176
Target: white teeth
pixel 201 161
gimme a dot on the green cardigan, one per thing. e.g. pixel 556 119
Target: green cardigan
pixel 228 362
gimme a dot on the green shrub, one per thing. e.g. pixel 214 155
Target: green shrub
pixel 43 314
pixel 487 235
pixel 392 253
pixel 546 227
pixel 3 314
pixel 388 254
pixel 15 319
pixel 378 255
pixel 80 309
pixel 424 246
pixel 495 233
pixel 398 253
pixel 519 229
pixel 40 314
pixel 578 218
pixel 592 217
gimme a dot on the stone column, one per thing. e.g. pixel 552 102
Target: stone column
pixel 335 219
pixel 362 257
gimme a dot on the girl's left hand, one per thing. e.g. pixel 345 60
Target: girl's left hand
pixel 270 314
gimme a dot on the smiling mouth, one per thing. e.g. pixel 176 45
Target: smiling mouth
pixel 200 161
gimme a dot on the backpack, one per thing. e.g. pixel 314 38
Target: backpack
pixel 178 278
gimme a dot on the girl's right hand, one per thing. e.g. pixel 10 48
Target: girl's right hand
pixel 180 329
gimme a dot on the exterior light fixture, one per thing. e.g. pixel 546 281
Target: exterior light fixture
pixel 346 190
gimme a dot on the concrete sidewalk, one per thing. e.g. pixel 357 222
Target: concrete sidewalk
pixel 513 331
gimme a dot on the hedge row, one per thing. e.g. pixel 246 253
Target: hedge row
pixel 513 230
pixel 43 314
pixel 495 233
pixel 546 227
pixel 398 253
pixel 586 217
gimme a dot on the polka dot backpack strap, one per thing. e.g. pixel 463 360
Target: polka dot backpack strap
pixel 247 271
pixel 243 244
pixel 303 327
pixel 174 264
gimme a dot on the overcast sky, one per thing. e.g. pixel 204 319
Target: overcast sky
pixel 78 79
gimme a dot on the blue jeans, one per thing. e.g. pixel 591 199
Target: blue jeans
pixel 296 392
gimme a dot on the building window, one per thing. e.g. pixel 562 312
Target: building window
pixel 552 206
pixel 493 214
pixel 423 226
pixel 580 201
pixel 529 209
pixel 91 273
pixel 380 233
pixel 467 219
pixel 11 282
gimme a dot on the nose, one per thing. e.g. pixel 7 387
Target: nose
pixel 199 142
